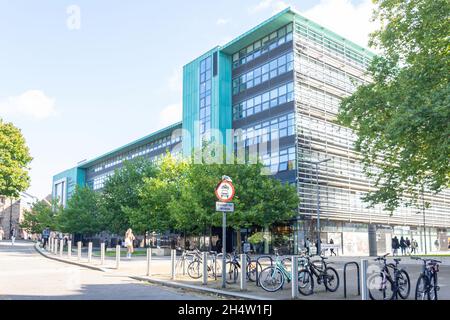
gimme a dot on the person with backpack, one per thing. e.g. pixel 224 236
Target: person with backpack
pixel 395 246
pixel 403 245
pixel 408 246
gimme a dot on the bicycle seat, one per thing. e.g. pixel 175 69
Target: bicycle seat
pixel 397 260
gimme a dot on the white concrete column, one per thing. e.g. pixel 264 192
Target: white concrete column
pixel 117 256
pixel 69 248
pixel 89 252
pixel 79 250
pixel 102 253
pixel 294 276
pixel 243 276
pixel 149 261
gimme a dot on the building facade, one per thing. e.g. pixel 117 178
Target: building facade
pixel 274 93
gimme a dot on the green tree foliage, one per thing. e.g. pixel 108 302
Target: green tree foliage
pixel 41 216
pixel 14 161
pixel 83 214
pixel 121 195
pixel 402 118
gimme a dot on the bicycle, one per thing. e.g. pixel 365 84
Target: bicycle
pixel 427 284
pixel 389 286
pixel 233 266
pixel 323 273
pixel 214 267
pixel 273 278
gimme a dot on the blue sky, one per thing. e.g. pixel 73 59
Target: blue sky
pixel 76 94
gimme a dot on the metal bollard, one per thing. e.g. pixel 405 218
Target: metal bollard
pixel 117 256
pixel 79 250
pixel 243 278
pixel 173 254
pixel 205 268
pixel 61 247
pixel 149 261
pixel 294 276
pixel 364 288
pixel 50 244
pixel 102 253
pixel 89 252
pixel 56 247
pixel 69 249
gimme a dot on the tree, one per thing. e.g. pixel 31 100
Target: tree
pixel 121 194
pixel 402 118
pixel 41 216
pixel 14 160
pixel 83 213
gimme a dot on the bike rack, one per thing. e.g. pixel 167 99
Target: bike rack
pixel 345 277
pixel 257 263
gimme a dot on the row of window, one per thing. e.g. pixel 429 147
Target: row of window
pixel 319 98
pixel 146 149
pixel 333 47
pixel 205 94
pixel 278 162
pixel 266 44
pixel 269 70
pixel 265 131
pixel 264 101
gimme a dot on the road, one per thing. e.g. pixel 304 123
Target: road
pixel 26 275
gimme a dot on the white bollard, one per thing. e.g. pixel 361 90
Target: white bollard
pixel 117 256
pixel 69 249
pixel 149 261
pixel 89 252
pixel 56 246
pixel 50 241
pixel 294 276
pixel 243 276
pixel 364 288
pixel 173 255
pixel 61 248
pixel 205 268
pixel 102 253
pixel 79 250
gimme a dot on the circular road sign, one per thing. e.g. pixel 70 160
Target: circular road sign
pixel 225 191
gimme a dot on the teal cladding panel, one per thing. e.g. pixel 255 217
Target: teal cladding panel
pixel 225 107
pixel 74 177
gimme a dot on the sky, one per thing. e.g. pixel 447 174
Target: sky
pixel 83 77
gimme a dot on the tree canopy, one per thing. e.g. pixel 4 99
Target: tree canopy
pixel 402 118
pixel 14 161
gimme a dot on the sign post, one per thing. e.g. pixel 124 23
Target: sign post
pixel 224 193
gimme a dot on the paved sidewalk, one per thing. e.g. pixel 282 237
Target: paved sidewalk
pixel 161 266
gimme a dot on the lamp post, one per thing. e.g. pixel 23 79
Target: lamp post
pixel 316 163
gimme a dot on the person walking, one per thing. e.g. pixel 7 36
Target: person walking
pixel 332 249
pixel 129 238
pixel 45 236
pixel 307 245
pixel 13 236
pixel 408 246
pixel 403 245
pixel 395 246
pixel 413 246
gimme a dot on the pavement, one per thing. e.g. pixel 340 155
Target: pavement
pixel 27 275
pixel 135 270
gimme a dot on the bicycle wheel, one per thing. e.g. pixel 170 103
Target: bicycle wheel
pixel 271 279
pixel 380 289
pixel 232 272
pixel 331 279
pixel 251 270
pixel 195 269
pixel 433 288
pixel 305 282
pixel 422 288
pixel 404 284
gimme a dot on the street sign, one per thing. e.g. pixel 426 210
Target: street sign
pixel 225 191
pixel 224 206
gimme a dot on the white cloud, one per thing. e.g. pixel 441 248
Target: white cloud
pixel 222 21
pixel 31 103
pixel 170 114
pixel 274 5
pixel 349 20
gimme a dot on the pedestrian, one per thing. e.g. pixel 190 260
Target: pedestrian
pixel 402 245
pixel 129 238
pixel 307 245
pixel 413 246
pixel 332 249
pixel 13 236
pixel 395 246
pixel 436 244
pixel 408 246
pixel 219 245
pixel 2 233
pixel 46 235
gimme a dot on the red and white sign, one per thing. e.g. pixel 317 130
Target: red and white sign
pixel 225 191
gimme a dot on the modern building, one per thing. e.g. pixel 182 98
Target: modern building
pixel 274 91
